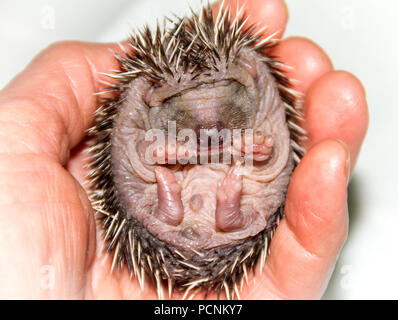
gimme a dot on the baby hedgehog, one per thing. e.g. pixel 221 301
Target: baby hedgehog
pixel 193 154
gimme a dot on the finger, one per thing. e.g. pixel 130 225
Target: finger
pixel 271 14
pixel 335 103
pixel 305 61
pixel 307 242
pixel 47 223
pixel 336 108
pixel 48 107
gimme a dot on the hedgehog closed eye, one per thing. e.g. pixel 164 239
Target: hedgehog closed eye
pixel 202 211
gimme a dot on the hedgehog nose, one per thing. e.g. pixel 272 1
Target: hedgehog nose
pixel 218 126
pixel 209 134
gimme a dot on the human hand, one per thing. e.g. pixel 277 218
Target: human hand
pixel 49 245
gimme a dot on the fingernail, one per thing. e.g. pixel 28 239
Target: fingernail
pixel 347 169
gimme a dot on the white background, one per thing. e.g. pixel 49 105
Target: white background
pixel 359 35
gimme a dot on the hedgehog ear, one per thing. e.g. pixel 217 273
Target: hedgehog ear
pixel 148 96
pixel 249 67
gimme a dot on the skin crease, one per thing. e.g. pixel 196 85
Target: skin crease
pixel 46 219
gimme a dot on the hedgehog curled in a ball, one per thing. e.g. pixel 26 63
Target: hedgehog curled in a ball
pixel 194 153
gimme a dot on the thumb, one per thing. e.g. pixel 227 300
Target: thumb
pixel 306 245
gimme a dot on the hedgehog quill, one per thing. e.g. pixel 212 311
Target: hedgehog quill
pixel 193 155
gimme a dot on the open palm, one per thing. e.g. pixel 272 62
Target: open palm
pixel 50 245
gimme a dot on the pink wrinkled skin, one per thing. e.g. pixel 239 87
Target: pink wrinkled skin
pixel 204 206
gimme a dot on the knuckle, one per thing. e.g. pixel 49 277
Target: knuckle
pixel 63 47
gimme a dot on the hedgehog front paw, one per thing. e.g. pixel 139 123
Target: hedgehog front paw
pixel 167 153
pixel 259 147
